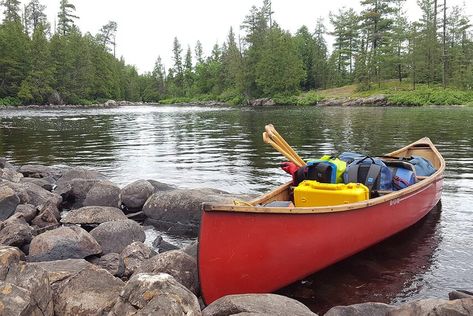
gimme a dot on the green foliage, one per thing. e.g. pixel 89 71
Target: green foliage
pixel 431 96
pixel 10 101
pixel 304 99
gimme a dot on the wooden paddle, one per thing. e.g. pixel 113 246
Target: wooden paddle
pixel 273 138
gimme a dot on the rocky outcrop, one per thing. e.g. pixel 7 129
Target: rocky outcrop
pixel 115 236
pixel 134 254
pixel 375 100
pixel 176 263
pixel 134 195
pixel 90 215
pixel 159 294
pixel 262 102
pixel 92 291
pixel 63 243
pixel 257 304
pixel 103 193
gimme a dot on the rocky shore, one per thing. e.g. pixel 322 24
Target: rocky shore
pixel 72 243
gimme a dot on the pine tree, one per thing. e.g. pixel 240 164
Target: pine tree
pixel 35 16
pixel 107 36
pixel 12 10
pixel 66 17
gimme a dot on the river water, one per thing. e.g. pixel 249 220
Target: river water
pixel 222 148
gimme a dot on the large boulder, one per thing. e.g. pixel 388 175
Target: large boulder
pixel 63 243
pixel 48 216
pixel 112 262
pixel 161 186
pixel 155 294
pixel 257 304
pixel 39 196
pixel 103 193
pixel 10 175
pixel 79 173
pixel 115 236
pixel 46 183
pixel 9 200
pixel 39 171
pixel 179 211
pixel 435 307
pixel 176 263
pixel 74 191
pixel 134 195
pixel 15 231
pixel 24 289
pixel 134 254
pixel 60 270
pixel 364 309
pixel 90 215
pixel 92 291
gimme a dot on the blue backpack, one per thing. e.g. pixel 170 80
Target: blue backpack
pixel 423 166
pixel 403 173
pixel 372 172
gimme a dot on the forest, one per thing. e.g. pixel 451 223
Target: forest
pixel 41 64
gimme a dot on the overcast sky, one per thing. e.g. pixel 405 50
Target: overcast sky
pixel 146 28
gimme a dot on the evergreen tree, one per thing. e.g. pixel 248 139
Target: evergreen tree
pixel 107 35
pixel 66 17
pixel 12 10
pixel 159 75
pixel 178 71
pixel 35 16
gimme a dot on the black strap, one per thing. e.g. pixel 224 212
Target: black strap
pixel 373 173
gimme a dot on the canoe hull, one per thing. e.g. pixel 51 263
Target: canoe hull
pixel 261 252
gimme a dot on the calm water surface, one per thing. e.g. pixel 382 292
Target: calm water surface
pixel 222 148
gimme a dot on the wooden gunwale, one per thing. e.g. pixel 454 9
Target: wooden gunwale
pixel 253 207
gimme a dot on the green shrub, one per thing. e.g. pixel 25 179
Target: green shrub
pixel 430 96
pixel 175 100
pixel 10 101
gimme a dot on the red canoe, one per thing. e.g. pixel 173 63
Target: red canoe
pixel 248 248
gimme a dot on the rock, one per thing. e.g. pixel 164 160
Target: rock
pixel 28 211
pixel 9 257
pixel 20 191
pixel 74 192
pixel 79 173
pixel 257 304
pixel 15 231
pixel 176 263
pixel 9 200
pixel 112 262
pixel 134 195
pixel 163 245
pixel 459 294
pixel 160 186
pixel 133 255
pixel 39 171
pixel 92 291
pixel 103 193
pixel 63 243
pixel 45 183
pixel 93 215
pixel 60 270
pixel 48 215
pixel 10 175
pixel 262 102
pixel 435 307
pixel 364 309
pixel 192 249
pixel 115 236
pixel 25 289
pixel 35 194
pixel 155 294
pixel 111 103
pixel 4 164
pixel 179 211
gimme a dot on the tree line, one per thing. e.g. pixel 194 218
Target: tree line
pixel 38 65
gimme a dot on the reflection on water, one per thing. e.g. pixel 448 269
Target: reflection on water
pixel 222 148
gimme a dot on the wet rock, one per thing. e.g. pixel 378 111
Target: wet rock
pixel 79 173
pixel 39 171
pixel 93 215
pixel 192 249
pixel 74 192
pixel 4 164
pixel 28 211
pixel 163 245
pixel 134 254
pixel 257 304
pixel 45 183
pixel 63 243
pixel 134 195
pixel 103 193
pixel 179 211
pixel 115 236
pixel 176 263
pixel 15 231
pixel 435 307
pixel 10 175
pixel 112 262
pixel 459 294
pixel 9 200
pixel 364 309
pixel 155 294
pixel 92 291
